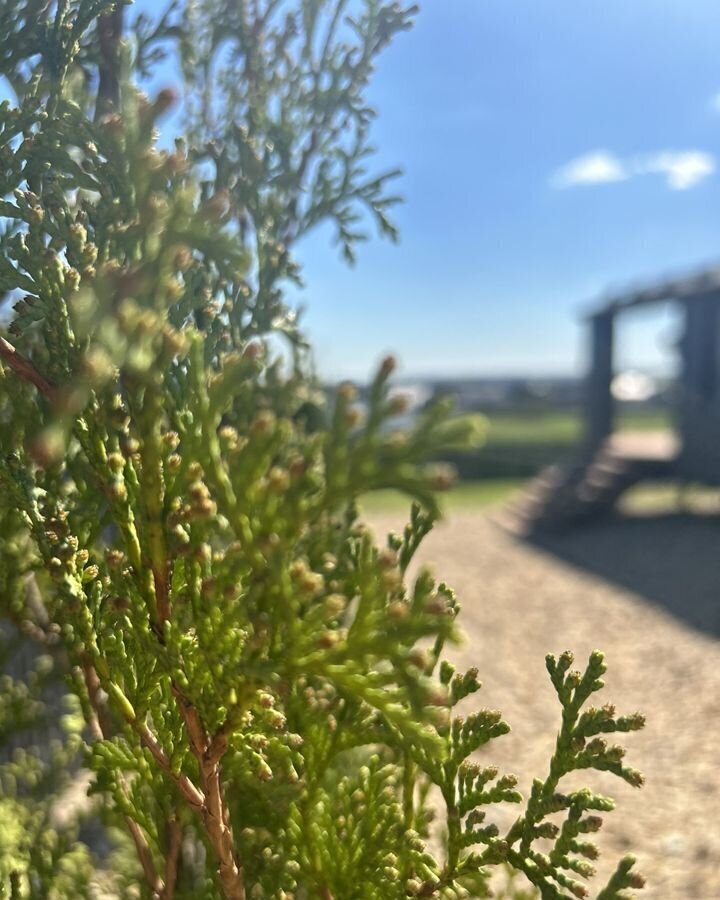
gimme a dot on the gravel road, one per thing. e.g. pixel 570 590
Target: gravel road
pixel 631 588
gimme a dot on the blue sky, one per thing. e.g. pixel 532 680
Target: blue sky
pixel 552 150
pixel 486 104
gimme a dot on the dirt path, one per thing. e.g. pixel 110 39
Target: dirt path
pixel 519 602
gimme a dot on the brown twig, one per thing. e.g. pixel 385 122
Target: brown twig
pixel 214 812
pixel 102 727
pixel 172 857
pixel 26 370
pixel 162 594
pixel 109 30
pixel 192 794
pixel 208 802
pixel 155 882
pixel 99 724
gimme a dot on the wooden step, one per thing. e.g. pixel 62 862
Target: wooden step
pixel 563 496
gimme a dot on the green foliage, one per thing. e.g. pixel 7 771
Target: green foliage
pixel 40 854
pixel 260 691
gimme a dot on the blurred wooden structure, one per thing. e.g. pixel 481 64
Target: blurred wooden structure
pixel 610 463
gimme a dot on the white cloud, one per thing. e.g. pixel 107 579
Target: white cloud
pixel 682 169
pixel 598 167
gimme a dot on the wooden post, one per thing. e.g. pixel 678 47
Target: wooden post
pixel 699 412
pixel 701 348
pixel 599 407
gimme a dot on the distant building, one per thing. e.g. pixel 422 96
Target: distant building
pixel 495 394
pixel 487 394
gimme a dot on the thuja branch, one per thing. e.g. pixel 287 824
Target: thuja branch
pixel 26 370
pixel 261 681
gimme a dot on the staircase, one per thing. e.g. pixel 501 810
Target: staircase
pixel 562 497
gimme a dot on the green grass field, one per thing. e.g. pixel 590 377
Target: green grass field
pixel 650 498
pixel 519 444
pixel 562 426
pixel 467 495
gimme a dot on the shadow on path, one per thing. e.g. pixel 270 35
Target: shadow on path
pixel 672 560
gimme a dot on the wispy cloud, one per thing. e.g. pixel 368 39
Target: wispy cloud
pixel 714 102
pixel 682 169
pixel 598 167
